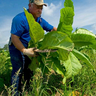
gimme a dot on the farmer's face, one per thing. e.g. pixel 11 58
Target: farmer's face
pixel 35 10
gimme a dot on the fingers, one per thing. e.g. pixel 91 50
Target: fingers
pixel 30 52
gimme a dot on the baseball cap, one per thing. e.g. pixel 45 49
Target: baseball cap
pixel 37 2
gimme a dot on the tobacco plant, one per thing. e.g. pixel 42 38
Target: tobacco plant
pixel 66 60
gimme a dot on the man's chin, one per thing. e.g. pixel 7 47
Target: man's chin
pixel 38 16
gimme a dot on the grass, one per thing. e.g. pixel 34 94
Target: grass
pixel 83 84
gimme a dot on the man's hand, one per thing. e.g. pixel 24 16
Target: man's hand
pixel 29 52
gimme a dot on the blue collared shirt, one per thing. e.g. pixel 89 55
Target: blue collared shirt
pixel 20 27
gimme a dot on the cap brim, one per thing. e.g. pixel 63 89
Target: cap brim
pixel 41 4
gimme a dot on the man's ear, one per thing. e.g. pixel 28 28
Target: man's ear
pixel 29 4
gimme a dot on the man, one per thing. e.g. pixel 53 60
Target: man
pixel 18 45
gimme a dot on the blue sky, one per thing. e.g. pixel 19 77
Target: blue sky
pixel 85 14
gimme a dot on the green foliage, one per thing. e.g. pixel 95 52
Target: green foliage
pixel 65 28
pixel 57 40
pixel 67 14
pixel 1 84
pixel 5 69
pixel 63 54
pixel 6 47
pixel 34 64
pixel 72 66
pixel 36 31
pixel 54 40
pixel 66 18
pixel 82 37
pixel 82 57
pixel 85 82
pixel 66 60
pixel 68 3
pixel 90 53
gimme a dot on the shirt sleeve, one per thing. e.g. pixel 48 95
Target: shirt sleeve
pixel 46 25
pixel 17 27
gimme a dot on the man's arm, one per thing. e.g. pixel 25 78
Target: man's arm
pixel 18 44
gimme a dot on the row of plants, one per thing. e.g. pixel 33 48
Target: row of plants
pixel 83 84
pixel 5 69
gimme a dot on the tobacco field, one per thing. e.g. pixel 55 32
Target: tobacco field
pixel 69 71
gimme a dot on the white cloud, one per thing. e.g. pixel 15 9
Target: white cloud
pixel 5 26
pixel 84 16
pixel 51 13
pixel 50 9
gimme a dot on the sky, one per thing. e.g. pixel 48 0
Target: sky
pixel 85 15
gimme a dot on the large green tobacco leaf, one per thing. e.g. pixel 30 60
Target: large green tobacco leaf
pixel 65 28
pixel 82 37
pixel 83 58
pixel 63 54
pixel 36 31
pixel 66 20
pixel 93 46
pixel 68 3
pixel 72 66
pixel 34 63
pixel 57 40
pixel 67 14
